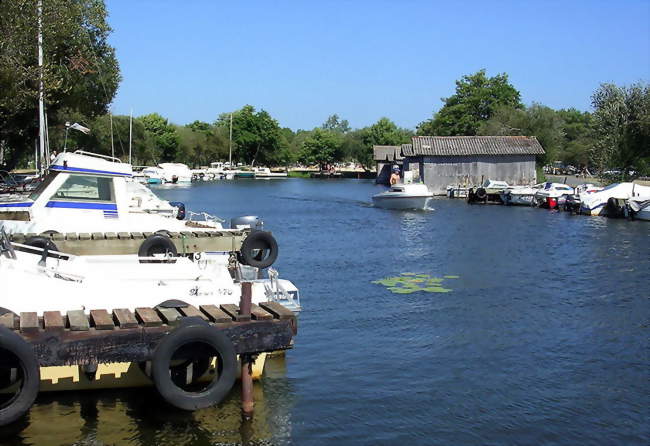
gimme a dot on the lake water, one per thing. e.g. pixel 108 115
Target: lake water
pixel 541 338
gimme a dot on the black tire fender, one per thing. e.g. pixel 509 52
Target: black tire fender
pixel 156 244
pixel 481 193
pixel 217 390
pixel 41 242
pixel 254 246
pixel 20 403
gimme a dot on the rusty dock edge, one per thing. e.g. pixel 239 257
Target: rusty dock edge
pixel 77 338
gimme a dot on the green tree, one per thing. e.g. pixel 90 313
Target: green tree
pixel 80 74
pixel 537 120
pixel 257 137
pixel 321 147
pixel 383 132
pixel 578 136
pixel 476 99
pixel 622 127
pixel 336 124
pixel 164 135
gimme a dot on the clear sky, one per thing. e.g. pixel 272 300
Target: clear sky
pixel 305 60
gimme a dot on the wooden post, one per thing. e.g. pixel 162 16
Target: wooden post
pixel 247 404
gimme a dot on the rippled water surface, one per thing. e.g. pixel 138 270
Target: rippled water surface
pixel 543 338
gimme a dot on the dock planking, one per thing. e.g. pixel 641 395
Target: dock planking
pixel 120 335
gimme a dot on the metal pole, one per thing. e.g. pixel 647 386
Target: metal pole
pixel 65 141
pixel 130 134
pixel 41 88
pixel 112 146
pixel 230 153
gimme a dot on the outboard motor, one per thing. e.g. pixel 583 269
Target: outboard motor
pixel 181 209
pixel 248 221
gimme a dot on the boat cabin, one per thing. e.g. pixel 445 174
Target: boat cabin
pixel 83 192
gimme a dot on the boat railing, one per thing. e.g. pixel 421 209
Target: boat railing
pixel 275 292
pixel 97 155
pixel 207 218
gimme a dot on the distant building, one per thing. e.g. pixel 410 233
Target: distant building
pixel 385 157
pixel 440 161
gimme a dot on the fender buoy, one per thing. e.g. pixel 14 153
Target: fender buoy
pixel 27 372
pixel 41 242
pixel 259 250
pixel 221 347
pixel 481 194
pixel 156 244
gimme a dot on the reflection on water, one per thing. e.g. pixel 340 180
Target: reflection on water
pixel 139 417
pixel 543 338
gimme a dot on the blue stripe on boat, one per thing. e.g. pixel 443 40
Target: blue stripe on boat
pixel 15 205
pixel 81 205
pixel 79 169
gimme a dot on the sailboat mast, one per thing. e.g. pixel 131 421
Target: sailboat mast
pixel 41 92
pixel 110 115
pixel 130 134
pixel 230 155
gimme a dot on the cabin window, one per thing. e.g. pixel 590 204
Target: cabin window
pixel 84 187
pixel 44 185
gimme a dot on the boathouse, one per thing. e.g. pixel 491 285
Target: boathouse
pixel 441 161
pixel 385 157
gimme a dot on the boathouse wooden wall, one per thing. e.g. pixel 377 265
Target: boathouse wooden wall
pixel 438 172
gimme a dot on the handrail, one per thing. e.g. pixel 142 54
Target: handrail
pixel 97 155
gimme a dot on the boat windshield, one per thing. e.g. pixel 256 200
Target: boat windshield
pixel 44 184
pixel 611 186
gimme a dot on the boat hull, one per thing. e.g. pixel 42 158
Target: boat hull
pixel 401 202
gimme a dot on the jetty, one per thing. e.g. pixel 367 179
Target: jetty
pixel 163 336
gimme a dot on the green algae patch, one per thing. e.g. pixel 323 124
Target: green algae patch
pixel 407 283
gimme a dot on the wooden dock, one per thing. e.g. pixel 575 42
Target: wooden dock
pixel 30 341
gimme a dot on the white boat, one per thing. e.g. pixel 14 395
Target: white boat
pixel 88 193
pixel 265 172
pixel 596 203
pixel 552 195
pixel 519 195
pixel 175 173
pixel 639 208
pixel 124 281
pixel 573 202
pixel 153 175
pixel 405 195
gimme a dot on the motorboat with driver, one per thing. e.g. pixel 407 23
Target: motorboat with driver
pixel 405 195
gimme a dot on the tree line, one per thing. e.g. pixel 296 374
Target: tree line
pixel 81 76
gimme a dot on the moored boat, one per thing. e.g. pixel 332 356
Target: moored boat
pixel 611 200
pixel 552 195
pixel 638 208
pixel 519 195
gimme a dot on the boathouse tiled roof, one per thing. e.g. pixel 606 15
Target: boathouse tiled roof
pixel 472 145
pixel 387 153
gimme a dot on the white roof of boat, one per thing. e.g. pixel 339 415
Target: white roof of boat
pixel 85 162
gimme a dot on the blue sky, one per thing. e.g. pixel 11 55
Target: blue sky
pixel 305 60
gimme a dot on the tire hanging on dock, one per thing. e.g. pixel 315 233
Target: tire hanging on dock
pixel 27 375
pixel 260 250
pixel 226 371
pixel 156 244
